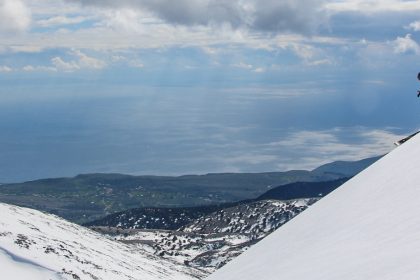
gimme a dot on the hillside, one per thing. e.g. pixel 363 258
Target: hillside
pixel 38 246
pixel 92 196
pixel 302 190
pixel 366 229
pixel 345 168
pixel 211 241
pixel 172 218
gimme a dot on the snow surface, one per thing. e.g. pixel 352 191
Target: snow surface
pixel 13 267
pixel 39 246
pixel 369 228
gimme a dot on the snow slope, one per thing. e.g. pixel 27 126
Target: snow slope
pixel 18 268
pixel 367 229
pixel 38 246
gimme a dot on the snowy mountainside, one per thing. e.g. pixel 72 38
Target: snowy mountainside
pixel 367 229
pixel 255 219
pixel 20 268
pixel 213 240
pixel 45 247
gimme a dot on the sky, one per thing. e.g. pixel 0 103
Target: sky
pixel 202 86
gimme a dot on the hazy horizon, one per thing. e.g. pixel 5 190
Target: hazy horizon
pixel 208 86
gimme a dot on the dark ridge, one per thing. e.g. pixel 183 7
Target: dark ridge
pixel 302 190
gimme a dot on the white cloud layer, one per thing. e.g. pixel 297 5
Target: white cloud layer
pixel 14 16
pixel 81 61
pixel 406 45
pixel 130 24
pixel 32 68
pixel 308 149
pixel 5 69
pixel 70 66
pixel 373 6
pixel 415 26
pixel 263 15
pixel 211 25
pixel 60 20
pixel 318 147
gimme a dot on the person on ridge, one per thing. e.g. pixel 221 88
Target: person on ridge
pixel 418 78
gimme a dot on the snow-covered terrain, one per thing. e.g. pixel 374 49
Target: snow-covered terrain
pixel 367 229
pixel 14 267
pixel 36 246
pixel 254 219
pixel 213 240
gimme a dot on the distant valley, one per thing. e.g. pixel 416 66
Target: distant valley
pixel 167 218
pixel 90 197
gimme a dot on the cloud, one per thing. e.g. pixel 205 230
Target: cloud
pixel 14 16
pixel 136 64
pixel 82 61
pixel 253 159
pixel 249 67
pixel 60 20
pixel 125 24
pixel 415 26
pixel 380 55
pixel 302 16
pixel 85 61
pixel 289 15
pixel 70 66
pixel 243 65
pixel 124 19
pixel 313 148
pixel 305 149
pixel 5 69
pixel 185 12
pixel 32 68
pixel 259 70
pixel 406 45
pixel 311 55
pixel 373 6
pixel 320 62
pixel 305 52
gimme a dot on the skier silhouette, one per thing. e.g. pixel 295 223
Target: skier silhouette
pixel 418 78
